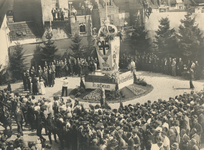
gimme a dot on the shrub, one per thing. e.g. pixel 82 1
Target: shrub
pixel 140 81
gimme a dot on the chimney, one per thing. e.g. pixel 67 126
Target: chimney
pixel 9 16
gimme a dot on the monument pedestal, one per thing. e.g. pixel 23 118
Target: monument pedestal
pixel 98 80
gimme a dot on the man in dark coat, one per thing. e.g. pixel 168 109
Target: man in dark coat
pixel 19 119
pixel 25 84
pixel 35 86
pixel 50 127
pixel 39 124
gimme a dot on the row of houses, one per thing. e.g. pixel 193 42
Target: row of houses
pixel 26 21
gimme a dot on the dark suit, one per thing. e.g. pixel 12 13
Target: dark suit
pixel 51 128
pixel 19 120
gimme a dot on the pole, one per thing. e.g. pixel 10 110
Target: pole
pixel 106 10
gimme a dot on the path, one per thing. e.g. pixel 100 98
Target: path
pixel 163 87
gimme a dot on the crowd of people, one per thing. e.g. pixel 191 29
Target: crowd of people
pixel 36 79
pixel 167 65
pixel 174 124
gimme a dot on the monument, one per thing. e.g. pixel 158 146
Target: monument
pixel 109 76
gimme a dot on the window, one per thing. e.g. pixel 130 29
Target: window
pixel 173 5
pixel 82 28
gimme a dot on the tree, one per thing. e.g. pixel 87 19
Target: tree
pixel 165 39
pixel 191 41
pixel 89 50
pixel 37 58
pixel 2 74
pixel 48 51
pixel 17 65
pixel 76 46
pixel 139 39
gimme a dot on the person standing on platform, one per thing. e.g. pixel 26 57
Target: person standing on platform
pixel 41 87
pixel 180 67
pixel 191 77
pixel 45 76
pixel 25 84
pixel 32 71
pixel 132 67
pixel 49 77
pixel 30 85
pixel 40 72
pixel 35 85
pixel 173 67
pixel 65 87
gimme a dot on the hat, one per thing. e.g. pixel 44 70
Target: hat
pixel 175 145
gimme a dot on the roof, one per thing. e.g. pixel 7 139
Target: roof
pixel 28 10
pixel 5 5
pixel 23 30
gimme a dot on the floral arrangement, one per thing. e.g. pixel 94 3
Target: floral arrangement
pixel 135 90
pixel 94 95
pixel 114 76
pixel 140 81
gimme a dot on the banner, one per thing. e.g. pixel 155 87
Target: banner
pixel 108 54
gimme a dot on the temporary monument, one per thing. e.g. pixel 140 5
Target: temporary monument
pixel 108 48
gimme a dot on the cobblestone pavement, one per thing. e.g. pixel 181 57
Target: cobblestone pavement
pixel 164 87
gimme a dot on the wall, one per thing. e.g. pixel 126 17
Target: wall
pixel 46 10
pixel 63 45
pixel 132 7
pixel 4 42
pixel 152 23
pixel 85 19
pixel 113 12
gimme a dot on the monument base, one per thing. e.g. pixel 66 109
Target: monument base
pixel 98 79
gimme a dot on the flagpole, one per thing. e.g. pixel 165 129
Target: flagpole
pixel 106 10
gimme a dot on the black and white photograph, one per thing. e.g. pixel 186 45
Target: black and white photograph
pixel 102 75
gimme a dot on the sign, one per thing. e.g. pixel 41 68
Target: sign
pixel 95 85
pixel 98 79
pixel 125 79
